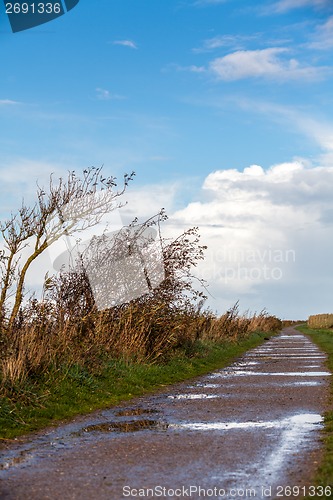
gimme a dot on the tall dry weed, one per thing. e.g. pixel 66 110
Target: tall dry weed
pixel 321 321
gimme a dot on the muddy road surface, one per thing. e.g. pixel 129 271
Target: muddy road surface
pixel 247 431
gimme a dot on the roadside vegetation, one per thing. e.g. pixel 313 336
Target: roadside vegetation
pixel 63 354
pixel 324 339
pixel 320 321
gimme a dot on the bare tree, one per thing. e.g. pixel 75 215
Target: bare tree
pixel 127 264
pixel 66 207
pixel 16 232
pixel 180 256
pixel 135 264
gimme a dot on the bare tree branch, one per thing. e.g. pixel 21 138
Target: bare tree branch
pixel 66 207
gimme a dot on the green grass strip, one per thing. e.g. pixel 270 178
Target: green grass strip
pixel 62 394
pixel 324 340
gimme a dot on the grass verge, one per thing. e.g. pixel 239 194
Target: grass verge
pixel 61 394
pixel 324 340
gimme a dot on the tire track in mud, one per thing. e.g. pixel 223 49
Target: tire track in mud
pixel 239 432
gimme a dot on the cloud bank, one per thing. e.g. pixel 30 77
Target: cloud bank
pixel 269 235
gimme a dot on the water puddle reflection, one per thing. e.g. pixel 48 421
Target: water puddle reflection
pixel 245 366
pixel 205 386
pixel 194 396
pixel 129 426
pixel 289 355
pixel 293 432
pixel 307 383
pixel 301 420
pixel 16 460
pixel 238 373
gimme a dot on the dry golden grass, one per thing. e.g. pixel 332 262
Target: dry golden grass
pixel 320 321
pixel 144 331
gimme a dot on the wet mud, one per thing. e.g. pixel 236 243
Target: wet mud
pixel 238 432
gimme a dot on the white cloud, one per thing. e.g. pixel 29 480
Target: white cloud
pixel 177 67
pixel 283 6
pixel 317 130
pixel 321 132
pixel 146 201
pixel 106 95
pixel 235 41
pixel 265 63
pixel 18 180
pixel 28 171
pixel 268 235
pixel 126 43
pixel 322 38
pixel 8 102
pixel 194 69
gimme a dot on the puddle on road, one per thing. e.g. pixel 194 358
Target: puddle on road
pixel 292 423
pixel 293 357
pixel 195 396
pixel 205 386
pixel 288 353
pixel 244 373
pixel 293 435
pixel 284 347
pixel 309 348
pixel 290 337
pixel 247 363
pixel 221 426
pixel 129 426
pixel 289 349
pixel 307 383
pixel 15 460
pixel 295 432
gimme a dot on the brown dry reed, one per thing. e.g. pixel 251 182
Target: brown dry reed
pixel 145 330
pixel 320 321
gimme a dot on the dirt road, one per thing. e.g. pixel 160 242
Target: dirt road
pixel 247 431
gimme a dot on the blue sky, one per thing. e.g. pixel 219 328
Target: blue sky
pixel 190 94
